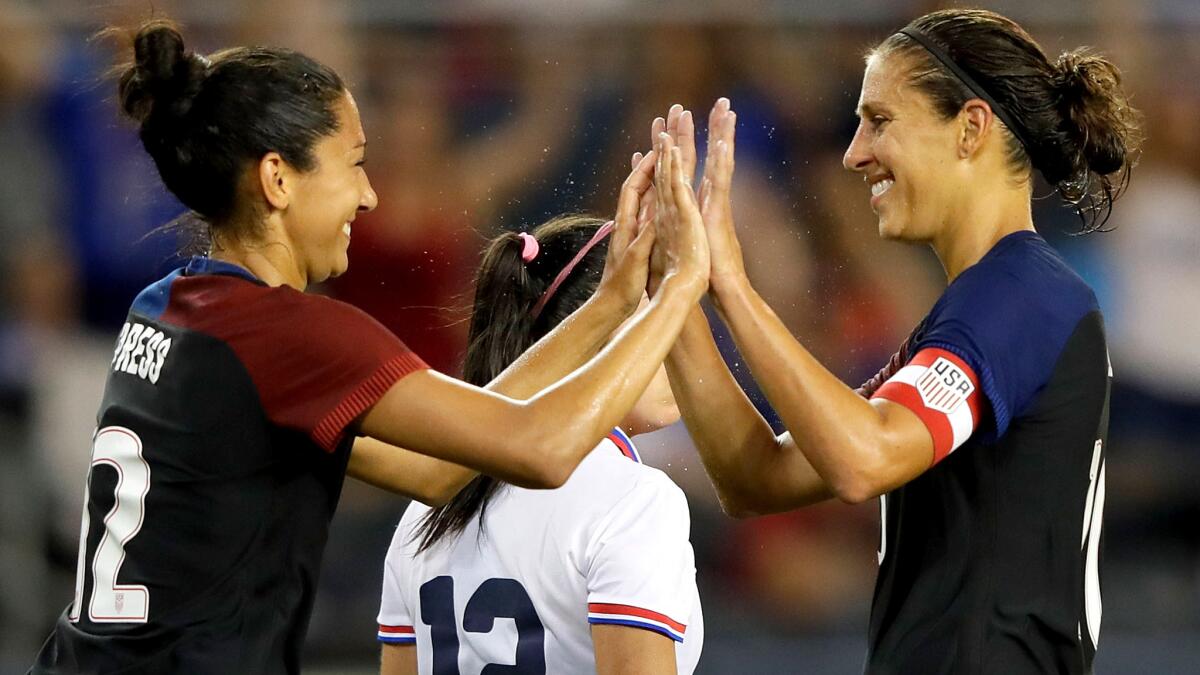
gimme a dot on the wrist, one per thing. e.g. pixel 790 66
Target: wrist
pixel 609 302
pixel 729 290
pixel 690 285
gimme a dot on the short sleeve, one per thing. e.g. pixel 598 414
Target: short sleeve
pixel 316 363
pixel 1007 319
pixel 641 569
pixel 396 624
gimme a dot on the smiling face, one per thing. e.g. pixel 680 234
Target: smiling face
pixel 329 197
pixel 906 152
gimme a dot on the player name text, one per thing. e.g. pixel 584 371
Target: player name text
pixel 141 351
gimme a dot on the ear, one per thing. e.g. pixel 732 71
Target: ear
pixel 976 119
pixel 274 178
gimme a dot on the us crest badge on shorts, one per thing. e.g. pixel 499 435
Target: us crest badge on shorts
pixel 944 386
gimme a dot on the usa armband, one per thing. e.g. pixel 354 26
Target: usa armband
pixel 943 391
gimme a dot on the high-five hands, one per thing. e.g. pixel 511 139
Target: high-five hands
pixel 713 197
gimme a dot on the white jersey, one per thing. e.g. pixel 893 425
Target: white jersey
pixel 608 547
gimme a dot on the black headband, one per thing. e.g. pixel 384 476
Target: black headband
pixel 940 54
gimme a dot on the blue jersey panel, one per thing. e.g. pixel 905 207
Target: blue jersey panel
pixel 1009 317
pixel 152 301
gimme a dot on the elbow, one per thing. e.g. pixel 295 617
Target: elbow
pixel 738 510
pixel 546 465
pixel 438 495
pixel 858 485
pixel 740 505
pixel 854 491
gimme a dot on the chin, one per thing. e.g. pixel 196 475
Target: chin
pixel 892 230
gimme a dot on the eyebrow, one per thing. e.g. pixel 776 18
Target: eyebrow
pixel 868 108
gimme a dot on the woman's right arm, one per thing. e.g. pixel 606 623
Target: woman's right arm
pixel 564 349
pixel 753 470
pixel 539 441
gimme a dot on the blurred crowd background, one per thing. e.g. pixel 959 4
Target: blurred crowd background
pixel 485 115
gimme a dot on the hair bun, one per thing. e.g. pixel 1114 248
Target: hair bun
pixel 163 77
pixel 1093 105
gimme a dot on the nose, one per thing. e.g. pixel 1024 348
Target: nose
pixel 368 200
pixel 858 156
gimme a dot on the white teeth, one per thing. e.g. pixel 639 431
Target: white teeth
pixel 881 187
pixel 346 229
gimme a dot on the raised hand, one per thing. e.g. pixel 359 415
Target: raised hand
pixel 716 206
pixel 681 247
pixel 682 130
pixel 627 266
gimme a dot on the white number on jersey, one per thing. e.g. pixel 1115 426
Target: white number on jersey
pixel 1093 515
pixel 121 449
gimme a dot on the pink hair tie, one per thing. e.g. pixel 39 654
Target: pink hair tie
pixel 529 248
pixel 601 233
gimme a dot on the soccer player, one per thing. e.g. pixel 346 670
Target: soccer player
pixel 985 435
pixel 236 403
pixel 596 576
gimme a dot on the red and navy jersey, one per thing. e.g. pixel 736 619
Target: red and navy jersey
pixel 989 561
pixel 218 459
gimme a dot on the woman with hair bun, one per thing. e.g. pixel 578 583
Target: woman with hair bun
pixel 984 437
pixel 236 403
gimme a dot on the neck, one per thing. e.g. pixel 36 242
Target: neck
pixel 269 259
pixel 989 217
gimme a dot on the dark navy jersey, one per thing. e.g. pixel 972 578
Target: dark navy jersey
pixel 989 561
pixel 219 455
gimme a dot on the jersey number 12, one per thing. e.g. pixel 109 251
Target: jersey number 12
pixel 111 602
pixel 494 599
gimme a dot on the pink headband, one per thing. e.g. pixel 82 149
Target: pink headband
pixel 529 247
pixel 601 233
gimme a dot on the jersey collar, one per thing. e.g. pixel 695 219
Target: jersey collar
pixel 624 444
pixel 204 265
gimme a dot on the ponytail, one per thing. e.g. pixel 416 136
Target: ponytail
pixel 504 325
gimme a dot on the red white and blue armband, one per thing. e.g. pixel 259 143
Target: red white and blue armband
pixel 943 391
pixel 397 635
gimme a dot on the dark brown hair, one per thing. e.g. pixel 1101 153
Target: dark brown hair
pixel 205 120
pixel 1081 132
pixel 503 327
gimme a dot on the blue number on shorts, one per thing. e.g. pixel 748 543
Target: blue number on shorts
pixel 494 599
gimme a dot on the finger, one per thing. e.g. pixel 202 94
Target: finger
pixel 729 130
pixel 720 175
pixel 680 190
pixel 637 158
pixel 685 139
pixel 715 118
pixel 662 175
pixel 639 180
pixel 646 209
pixel 658 126
pixel 673 116
pixel 642 244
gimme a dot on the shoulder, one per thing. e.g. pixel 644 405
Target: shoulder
pixel 1021 284
pixel 404 542
pixel 225 305
pixel 610 478
pixel 1009 318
